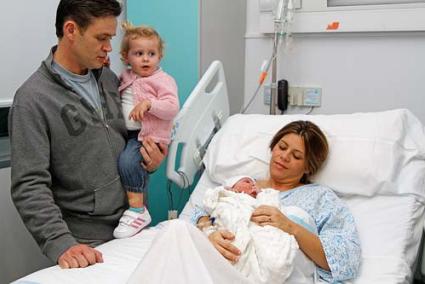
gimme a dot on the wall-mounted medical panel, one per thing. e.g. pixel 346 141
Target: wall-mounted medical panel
pixel 320 16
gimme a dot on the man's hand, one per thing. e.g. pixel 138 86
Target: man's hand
pixel 79 256
pixel 139 110
pixel 153 154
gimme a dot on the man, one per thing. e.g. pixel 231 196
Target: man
pixel 67 130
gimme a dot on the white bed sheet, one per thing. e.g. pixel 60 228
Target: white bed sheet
pixel 120 256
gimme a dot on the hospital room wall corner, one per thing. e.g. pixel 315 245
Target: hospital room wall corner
pixel 20 253
pixel 193 39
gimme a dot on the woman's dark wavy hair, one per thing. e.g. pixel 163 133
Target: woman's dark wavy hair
pixel 83 12
pixel 315 143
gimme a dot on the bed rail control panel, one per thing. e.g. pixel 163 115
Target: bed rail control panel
pixel 202 147
pixel 200 118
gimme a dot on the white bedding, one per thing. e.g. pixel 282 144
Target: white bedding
pixel 120 256
pixel 182 254
pixel 376 164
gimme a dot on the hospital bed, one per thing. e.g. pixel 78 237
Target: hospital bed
pixel 376 165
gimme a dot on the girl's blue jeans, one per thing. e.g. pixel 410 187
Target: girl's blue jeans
pixel 133 176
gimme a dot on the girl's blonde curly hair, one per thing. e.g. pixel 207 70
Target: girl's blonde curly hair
pixel 132 32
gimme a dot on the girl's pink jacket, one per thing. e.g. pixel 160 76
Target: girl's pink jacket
pixel 161 89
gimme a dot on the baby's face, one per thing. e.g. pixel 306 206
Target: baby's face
pixel 246 186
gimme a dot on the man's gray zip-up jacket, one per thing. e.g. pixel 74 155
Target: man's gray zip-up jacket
pixel 65 182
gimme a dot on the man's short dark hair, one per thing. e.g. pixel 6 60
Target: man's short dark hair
pixel 83 12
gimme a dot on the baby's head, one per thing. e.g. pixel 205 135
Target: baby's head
pixel 246 185
pixel 142 49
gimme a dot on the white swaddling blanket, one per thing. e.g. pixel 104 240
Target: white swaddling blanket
pixel 181 254
pixel 267 252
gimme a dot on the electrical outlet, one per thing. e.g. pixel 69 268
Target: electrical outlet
pixel 172 214
pixel 295 96
pixel 305 96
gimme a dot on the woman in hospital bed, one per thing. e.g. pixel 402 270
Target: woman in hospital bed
pixel 298 151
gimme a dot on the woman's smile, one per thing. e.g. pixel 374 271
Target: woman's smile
pixel 280 165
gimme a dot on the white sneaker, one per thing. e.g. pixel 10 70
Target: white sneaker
pixel 131 223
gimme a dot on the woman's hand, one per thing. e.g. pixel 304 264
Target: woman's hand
pixel 269 215
pixel 308 242
pixel 222 241
pixel 203 222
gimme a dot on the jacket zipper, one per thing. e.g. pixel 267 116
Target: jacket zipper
pixel 105 123
pixel 93 110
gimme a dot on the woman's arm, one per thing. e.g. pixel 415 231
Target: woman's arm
pixel 221 240
pixel 339 238
pixel 308 242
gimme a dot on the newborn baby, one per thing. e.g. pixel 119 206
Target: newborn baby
pixel 244 185
pixel 268 253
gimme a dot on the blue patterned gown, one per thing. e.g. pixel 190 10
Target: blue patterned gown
pixel 335 224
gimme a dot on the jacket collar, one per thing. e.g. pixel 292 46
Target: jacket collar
pixel 128 77
pixel 47 64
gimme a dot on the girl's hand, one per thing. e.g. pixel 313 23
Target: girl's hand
pixel 222 241
pixel 139 110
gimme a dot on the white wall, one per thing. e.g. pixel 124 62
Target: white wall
pixel 27 30
pixel 222 38
pixel 27 34
pixel 357 71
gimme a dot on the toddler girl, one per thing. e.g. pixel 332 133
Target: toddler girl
pixel 149 102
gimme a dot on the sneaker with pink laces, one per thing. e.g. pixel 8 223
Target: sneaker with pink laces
pixel 131 223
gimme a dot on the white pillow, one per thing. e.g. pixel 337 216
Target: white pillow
pixel 370 153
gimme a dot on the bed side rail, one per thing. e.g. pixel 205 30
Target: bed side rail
pixel 201 116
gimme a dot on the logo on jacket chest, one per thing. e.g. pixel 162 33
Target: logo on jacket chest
pixel 77 118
